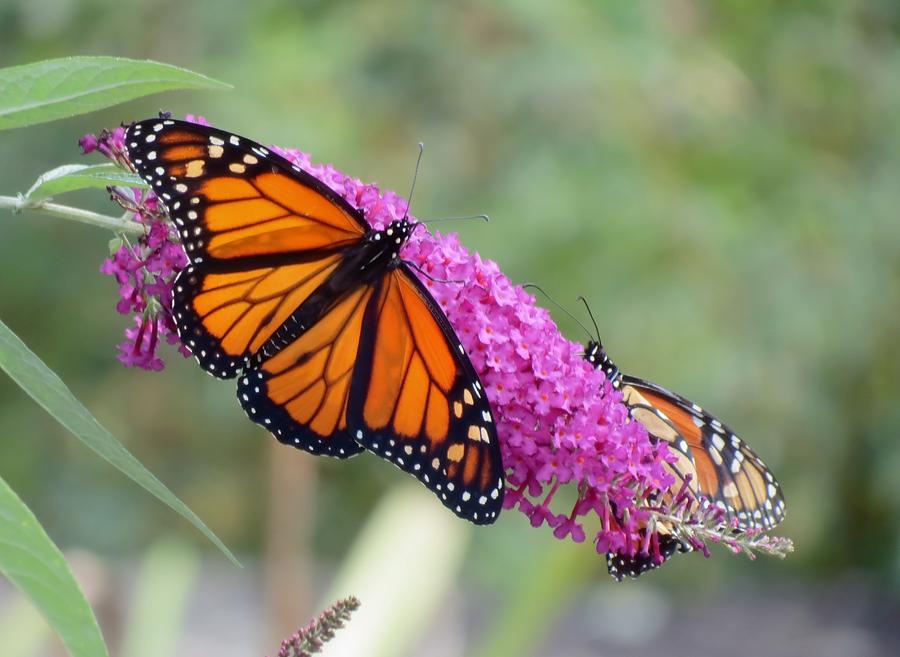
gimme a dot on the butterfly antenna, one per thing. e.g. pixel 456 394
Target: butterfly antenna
pixel 412 187
pixel 558 305
pixel 586 305
pixel 470 217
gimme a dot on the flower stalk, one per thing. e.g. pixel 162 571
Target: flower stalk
pixel 123 224
pixel 709 527
pixel 310 639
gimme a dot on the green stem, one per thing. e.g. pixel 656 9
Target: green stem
pixel 123 224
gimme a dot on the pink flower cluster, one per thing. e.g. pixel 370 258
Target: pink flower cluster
pixel 560 423
pixel 145 269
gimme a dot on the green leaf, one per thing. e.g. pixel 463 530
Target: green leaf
pixel 70 177
pixel 35 565
pixel 48 390
pixel 57 88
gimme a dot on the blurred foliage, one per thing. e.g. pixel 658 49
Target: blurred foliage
pixel 719 179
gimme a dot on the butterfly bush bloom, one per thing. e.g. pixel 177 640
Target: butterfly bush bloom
pixel 559 421
pixel 143 269
pixel 561 424
pixel 310 639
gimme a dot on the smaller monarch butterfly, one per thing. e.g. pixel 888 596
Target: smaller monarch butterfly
pixel 711 461
pixel 711 464
pixel 336 344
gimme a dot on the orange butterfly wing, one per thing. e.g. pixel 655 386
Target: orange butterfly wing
pixel 384 365
pixel 301 393
pixel 418 402
pixel 634 562
pixel 717 465
pixel 261 236
pixel 727 472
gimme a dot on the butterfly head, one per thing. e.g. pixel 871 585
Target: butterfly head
pixel 593 351
pixel 595 354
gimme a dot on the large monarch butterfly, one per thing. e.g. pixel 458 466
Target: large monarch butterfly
pixel 716 466
pixel 336 343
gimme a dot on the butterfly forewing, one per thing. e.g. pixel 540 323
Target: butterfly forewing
pixel 418 402
pixel 728 472
pixel 260 235
pixel 683 468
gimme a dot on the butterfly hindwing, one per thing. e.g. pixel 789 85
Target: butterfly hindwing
pixel 227 318
pixel 300 394
pixel 418 402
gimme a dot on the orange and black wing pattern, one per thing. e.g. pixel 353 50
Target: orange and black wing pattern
pixel 711 465
pixel 714 465
pixel 262 238
pixel 724 470
pixel 260 234
pixel 307 383
pixel 417 401
pixel 637 560
pixel 384 365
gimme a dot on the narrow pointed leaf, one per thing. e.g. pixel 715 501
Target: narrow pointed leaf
pixel 58 88
pixel 48 390
pixel 35 565
pixel 70 177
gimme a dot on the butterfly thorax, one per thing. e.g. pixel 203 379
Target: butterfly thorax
pixel 381 248
pixel 595 354
pixel 364 264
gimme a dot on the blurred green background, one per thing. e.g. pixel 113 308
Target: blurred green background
pixel 720 180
